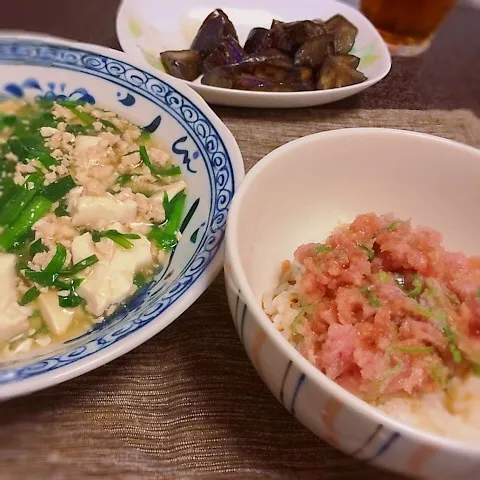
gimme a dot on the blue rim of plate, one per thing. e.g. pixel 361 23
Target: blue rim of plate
pixel 222 177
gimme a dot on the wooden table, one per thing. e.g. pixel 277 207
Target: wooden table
pixel 68 431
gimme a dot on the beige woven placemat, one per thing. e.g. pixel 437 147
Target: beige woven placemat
pixel 188 403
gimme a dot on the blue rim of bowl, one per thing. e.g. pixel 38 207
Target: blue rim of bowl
pixel 223 177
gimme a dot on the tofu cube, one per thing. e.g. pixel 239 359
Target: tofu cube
pixel 98 212
pixel 58 319
pixel 13 317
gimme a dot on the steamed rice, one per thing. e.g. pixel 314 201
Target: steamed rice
pixel 386 312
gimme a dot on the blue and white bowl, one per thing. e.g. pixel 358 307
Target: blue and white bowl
pixel 211 162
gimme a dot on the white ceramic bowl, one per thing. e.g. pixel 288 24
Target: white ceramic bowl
pixel 32 66
pixel 297 194
pixel 147 27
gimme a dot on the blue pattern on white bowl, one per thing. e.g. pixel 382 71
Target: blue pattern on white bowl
pixel 199 147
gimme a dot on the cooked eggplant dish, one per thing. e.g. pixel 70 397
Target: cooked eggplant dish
pixel 289 57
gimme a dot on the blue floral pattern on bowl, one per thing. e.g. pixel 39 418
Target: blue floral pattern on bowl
pixel 56 70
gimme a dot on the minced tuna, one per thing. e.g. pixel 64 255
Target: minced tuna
pixel 382 308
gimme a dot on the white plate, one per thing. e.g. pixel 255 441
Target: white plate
pixel 147 27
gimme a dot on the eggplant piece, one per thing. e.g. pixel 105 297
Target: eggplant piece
pixel 247 81
pixel 292 79
pixel 258 39
pixel 227 53
pixel 289 36
pixel 314 51
pixel 212 31
pixel 219 77
pixel 343 32
pixel 336 73
pixel 261 76
pixel 350 60
pixel 271 56
pixel 185 64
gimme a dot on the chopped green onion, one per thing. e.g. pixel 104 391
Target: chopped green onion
pixel 165 236
pixel 413 350
pixel 451 337
pixel 29 296
pixel 298 318
pixel 145 137
pixel 322 248
pixel 438 374
pixel 20 200
pixel 456 353
pixel 163 172
pixel 384 277
pixel 392 371
pixel 22 225
pixel 55 191
pixel 370 253
pixel 393 226
pixel 430 314
pixel 79 266
pixel 372 299
pixel 417 284
pixel 37 247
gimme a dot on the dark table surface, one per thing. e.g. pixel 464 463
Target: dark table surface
pixel 447 77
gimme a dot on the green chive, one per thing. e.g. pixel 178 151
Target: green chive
pixel 37 247
pixel 35 210
pixel 52 270
pixel 29 296
pixel 72 299
pixel 165 236
pixel 370 253
pixel 79 266
pixel 20 200
pixel 122 239
pixel 55 191
pixel 163 172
